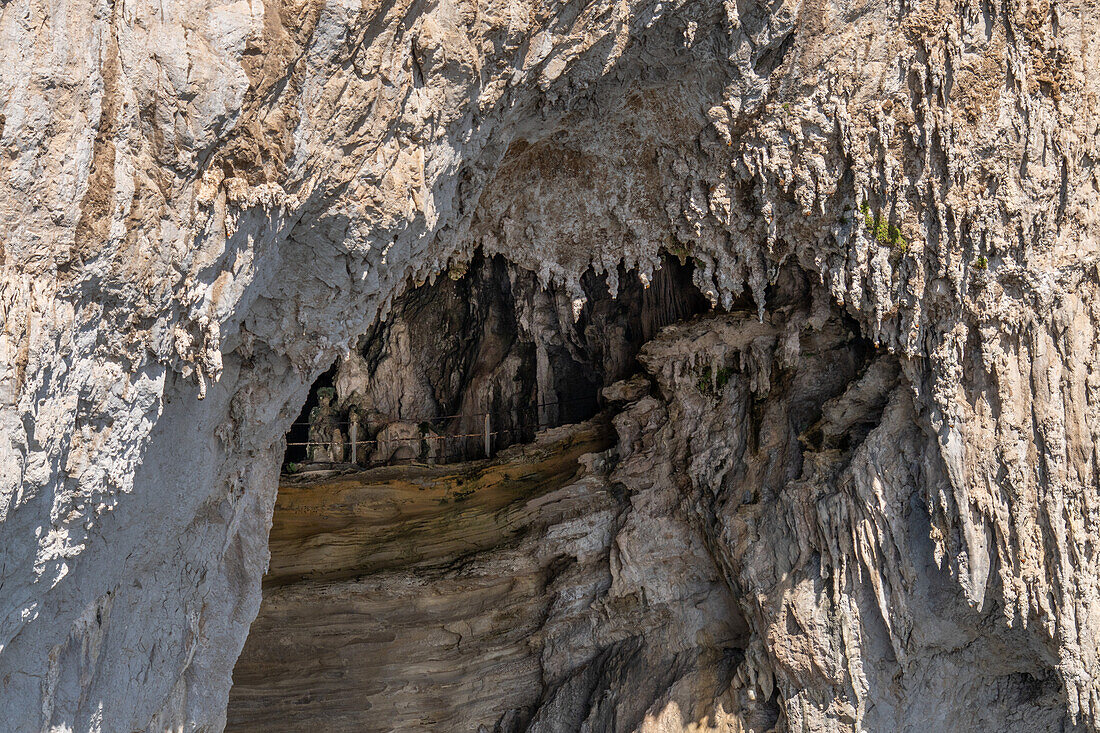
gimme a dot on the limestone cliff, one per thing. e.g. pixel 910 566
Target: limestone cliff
pixel 893 470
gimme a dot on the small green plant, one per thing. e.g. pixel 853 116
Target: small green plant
pixel 981 263
pixel 786 106
pixel 326 393
pixel 881 230
pixel 897 241
pixel 868 217
pixel 292 468
pixel 711 382
pixel 680 252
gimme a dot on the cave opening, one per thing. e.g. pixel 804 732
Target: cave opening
pixel 481 359
pixel 421 585
pixel 377 563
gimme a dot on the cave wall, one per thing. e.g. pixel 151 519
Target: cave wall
pixel 512 595
pixel 203 204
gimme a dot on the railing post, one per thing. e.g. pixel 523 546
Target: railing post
pixel 488 448
pixel 354 435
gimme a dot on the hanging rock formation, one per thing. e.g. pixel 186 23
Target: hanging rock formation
pixel 203 204
pixel 488 340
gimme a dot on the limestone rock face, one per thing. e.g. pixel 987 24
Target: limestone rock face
pixel 204 203
pixel 491 340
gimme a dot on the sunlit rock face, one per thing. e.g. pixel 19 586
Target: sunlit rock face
pixel 203 204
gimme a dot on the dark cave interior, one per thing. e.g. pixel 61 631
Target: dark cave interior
pixel 486 339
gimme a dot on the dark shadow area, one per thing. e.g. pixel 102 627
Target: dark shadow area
pixel 483 358
pixel 297 437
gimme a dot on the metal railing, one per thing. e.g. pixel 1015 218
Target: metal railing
pixel 487 433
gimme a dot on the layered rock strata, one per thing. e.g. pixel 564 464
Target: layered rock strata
pixel 485 596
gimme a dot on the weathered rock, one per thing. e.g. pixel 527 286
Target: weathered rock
pixel 782 458
pixel 499 595
pixel 398 441
pixel 202 204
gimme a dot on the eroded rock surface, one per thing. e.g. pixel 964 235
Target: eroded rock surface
pixel 490 340
pixel 204 203
pixel 502 595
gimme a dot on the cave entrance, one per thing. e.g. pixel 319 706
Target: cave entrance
pixel 480 359
pixel 379 564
